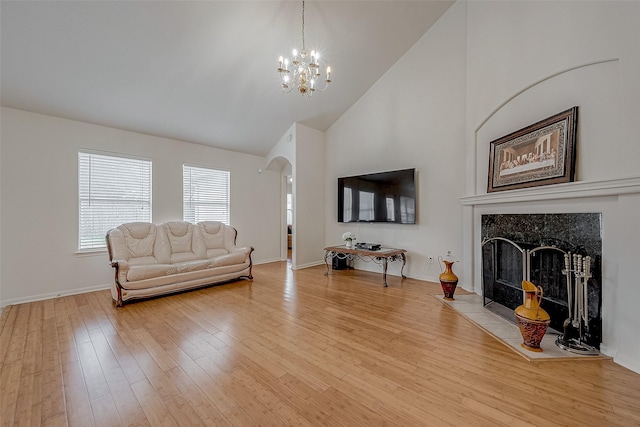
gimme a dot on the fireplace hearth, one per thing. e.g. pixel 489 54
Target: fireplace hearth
pixel 532 247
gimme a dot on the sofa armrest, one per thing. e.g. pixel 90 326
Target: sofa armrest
pixel 243 249
pixel 119 264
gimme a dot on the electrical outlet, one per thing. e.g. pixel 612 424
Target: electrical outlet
pixel 430 260
pixel 448 253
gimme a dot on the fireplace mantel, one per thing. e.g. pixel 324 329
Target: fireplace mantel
pixel 570 190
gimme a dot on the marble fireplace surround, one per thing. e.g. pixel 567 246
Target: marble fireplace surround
pixel 606 197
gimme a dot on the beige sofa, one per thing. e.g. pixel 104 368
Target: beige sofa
pixel 152 260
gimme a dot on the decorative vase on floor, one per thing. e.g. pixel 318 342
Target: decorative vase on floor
pixel 532 320
pixel 448 280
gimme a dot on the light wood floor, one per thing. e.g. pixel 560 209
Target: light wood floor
pixel 289 348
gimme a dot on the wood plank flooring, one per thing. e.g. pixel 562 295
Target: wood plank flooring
pixel 290 348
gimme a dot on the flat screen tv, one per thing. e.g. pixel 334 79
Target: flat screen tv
pixel 378 197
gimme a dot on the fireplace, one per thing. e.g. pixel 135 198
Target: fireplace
pixel 532 247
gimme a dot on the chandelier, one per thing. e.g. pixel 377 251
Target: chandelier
pixel 303 71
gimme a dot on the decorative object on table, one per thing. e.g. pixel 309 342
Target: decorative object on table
pixel 448 279
pixel 540 154
pixel 577 324
pixel 532 320
pixel 369 246
pixel 304 73
pixel 382 257
pixel 348 238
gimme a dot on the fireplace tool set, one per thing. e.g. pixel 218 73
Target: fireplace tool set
pixel 578 272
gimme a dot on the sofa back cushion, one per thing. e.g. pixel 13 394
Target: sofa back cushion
pixel 133 242
pixel 216 236
pixel 180 236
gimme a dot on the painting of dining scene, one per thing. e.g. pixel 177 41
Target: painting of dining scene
pixel 537 154
pixel 540 154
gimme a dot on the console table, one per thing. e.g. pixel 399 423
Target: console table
pixel 380 257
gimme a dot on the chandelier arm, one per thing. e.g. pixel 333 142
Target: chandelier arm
pixel 326 85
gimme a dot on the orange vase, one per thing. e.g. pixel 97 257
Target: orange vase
pixel 532 320
pixel 448 281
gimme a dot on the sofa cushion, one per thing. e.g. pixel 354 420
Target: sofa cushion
pixel 180 237
pixel 140 238
pixel 149 271
pixel 177 279
pixel 216 252
pixel 213 234
pixel 196 265
pixel 229 259
pixel 183 257
pixel 143 260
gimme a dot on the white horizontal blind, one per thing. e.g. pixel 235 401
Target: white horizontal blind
pixel 205 194
pixel 112 191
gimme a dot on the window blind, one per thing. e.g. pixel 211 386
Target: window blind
pixel 112 190
pixel 205 194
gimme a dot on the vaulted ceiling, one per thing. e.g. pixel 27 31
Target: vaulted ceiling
pixel 202 72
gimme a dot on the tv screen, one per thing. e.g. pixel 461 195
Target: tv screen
pixel 378 197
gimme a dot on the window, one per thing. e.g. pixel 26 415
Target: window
pixel 205 194
pixel 289 209
pixel 112 190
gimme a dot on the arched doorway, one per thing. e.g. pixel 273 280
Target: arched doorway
pixel 287 217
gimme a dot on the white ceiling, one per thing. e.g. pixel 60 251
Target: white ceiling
pixel 203 72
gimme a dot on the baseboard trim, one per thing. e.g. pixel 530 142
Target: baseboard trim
pixel 52 295
pixel 308 265
pixel 268 261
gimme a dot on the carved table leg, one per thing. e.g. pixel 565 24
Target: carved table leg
pixel 404 261
pixel 384 267
pixel 327 255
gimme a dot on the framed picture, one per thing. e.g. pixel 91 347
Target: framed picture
pixel 540 154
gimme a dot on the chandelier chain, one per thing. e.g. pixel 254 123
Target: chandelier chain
pixel 303 48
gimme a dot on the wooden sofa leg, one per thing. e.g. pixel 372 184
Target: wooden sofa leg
pixel 118 287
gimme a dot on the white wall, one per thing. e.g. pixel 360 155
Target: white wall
pixel 308 197
pixel 39 216
pixel 1 305
pixel 529 60
pixel 551 61
pixel 413 117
